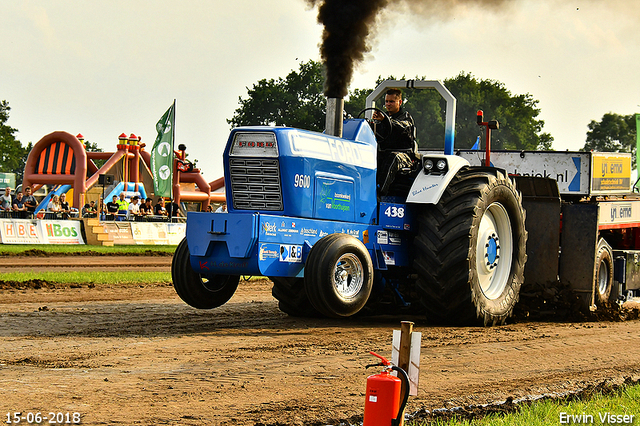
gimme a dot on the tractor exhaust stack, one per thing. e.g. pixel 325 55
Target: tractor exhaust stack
pixel 335 111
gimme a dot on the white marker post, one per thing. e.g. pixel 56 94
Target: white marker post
pixel 405 353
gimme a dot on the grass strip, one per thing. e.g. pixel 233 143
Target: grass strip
pixel 598 408
pixel 44 249
pixel 84 277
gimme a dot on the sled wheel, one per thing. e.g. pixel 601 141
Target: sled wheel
pixel 338 275
pixel 471 250
pixel 200 291
pixel 603 273
pixel 292 297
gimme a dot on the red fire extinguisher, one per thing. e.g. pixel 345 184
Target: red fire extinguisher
pixel 382 406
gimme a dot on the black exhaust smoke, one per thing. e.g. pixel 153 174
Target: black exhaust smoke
pixel 348 23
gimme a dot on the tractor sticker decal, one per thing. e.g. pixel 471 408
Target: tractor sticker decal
pixel 309 232
pixel 290 253
pixel 267 253
pixel 424 188
pixel 269 229
pixel 382 237
pixel 288 228
pixel 394 238
pixel 353 232
pixel 334 195
pixel 389 257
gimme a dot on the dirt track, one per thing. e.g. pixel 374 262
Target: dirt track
pixel 121 355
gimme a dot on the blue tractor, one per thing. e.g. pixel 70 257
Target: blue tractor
pixel 304 210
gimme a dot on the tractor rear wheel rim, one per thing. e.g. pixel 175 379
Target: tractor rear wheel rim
pixel 603 277
pixel 494 251
pixel 348 276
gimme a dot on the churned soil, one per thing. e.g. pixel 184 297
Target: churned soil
pixel 123 354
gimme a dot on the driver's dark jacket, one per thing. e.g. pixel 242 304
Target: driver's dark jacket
pixel 396 151
pixel 402 132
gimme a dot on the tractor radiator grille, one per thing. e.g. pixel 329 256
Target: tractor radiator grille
pixel 255 184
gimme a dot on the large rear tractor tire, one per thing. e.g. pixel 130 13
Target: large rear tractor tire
pixel 471 250
pixel 199 291
pixel 603 273
pixel 338 275
pixel 292 297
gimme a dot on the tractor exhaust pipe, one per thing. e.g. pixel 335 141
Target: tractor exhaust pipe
pixel 335 111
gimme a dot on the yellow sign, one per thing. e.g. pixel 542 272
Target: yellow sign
pixel 610 172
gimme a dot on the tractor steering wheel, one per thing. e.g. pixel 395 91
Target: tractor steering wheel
pixel 374 123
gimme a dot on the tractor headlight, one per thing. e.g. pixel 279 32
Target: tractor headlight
pixel 428 165
pixel 434 166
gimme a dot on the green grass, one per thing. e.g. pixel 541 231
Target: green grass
pixel 98 277
pixel 17 249
pixel 625 400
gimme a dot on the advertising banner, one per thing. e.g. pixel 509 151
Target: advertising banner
pixel 611 172
pixel 176 232
pixel 28 231
pixel 19 231
pixel 158 233
pixel 61 231
pixel 569 169
pixel 119 232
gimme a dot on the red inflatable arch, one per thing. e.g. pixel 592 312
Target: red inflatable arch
pixel 59 158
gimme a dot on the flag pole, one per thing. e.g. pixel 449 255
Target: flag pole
pixel 173 144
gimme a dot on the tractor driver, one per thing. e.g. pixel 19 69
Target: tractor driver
pixel 398 150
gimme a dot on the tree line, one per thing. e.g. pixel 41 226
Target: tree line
pixel 297 100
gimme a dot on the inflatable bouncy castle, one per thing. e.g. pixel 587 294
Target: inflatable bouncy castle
pixel 61 161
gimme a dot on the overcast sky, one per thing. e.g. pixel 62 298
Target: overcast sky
pixel 106 67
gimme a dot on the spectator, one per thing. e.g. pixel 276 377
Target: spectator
pixel 146 209
pixel 113 207
pixel 6 200
pixel 29 200
pixel 222 208
pixel 173 209
pixel 159 208
pixel 123 205
pixel 18 205
pixel 64 206
pixel 54 204
pixel 134 208
pixel 89 210
pixel 210 208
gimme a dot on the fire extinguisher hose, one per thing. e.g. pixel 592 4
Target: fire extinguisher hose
pixel 405 398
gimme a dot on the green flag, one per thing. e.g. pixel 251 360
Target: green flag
pixel 162 154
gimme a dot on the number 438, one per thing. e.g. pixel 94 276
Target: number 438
pixel 394 211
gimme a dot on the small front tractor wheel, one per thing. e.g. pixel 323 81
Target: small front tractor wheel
pixel 471 250
pixel 338 275
pixel 200 291
pixel 603 273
